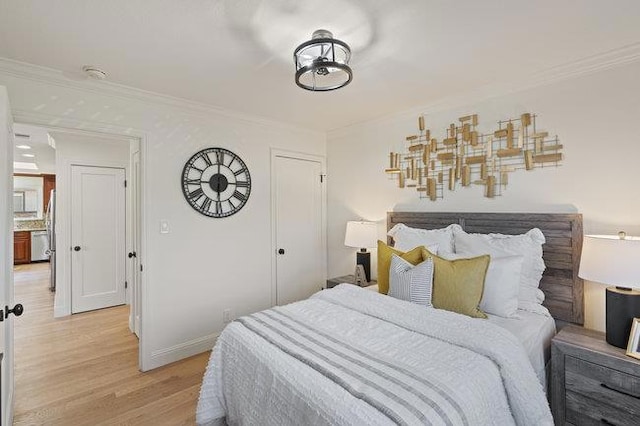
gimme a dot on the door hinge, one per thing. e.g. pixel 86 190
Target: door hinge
pixel 322 177
pixel 126 284
pixel 125 183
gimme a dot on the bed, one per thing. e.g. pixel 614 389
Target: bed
pixel 534 330
pixel 352 356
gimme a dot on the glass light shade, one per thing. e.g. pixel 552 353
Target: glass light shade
pixel 611 260
pixel 322 63
pixel 361 234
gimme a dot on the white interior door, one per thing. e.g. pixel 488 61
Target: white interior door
pixel 98 238
pixel 299 228
pixel 6 258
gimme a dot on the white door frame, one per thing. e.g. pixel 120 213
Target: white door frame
pixel 6 258
pixel 274 216
pixel 89 128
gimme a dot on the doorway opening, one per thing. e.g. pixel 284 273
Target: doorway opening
pixel 80 281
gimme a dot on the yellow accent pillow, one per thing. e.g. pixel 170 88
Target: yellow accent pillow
pixel 384 262
pixel 458 284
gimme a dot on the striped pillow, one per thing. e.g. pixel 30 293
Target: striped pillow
pixel 411 283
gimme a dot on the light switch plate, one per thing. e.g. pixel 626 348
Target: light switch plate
pixel 164 227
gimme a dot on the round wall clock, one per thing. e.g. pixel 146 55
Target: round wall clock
pixel 216 182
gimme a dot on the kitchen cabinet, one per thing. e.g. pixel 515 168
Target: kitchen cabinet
pixel 21 247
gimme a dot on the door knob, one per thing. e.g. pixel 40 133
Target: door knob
pixel 132 254
pixel 280 251
pixel 76 248
pixel 17 310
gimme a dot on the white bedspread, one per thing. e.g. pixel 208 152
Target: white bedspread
pixel 534 327
pixel 535 332
pixel 350 356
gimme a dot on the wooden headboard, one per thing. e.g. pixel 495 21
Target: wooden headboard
pixel 564 294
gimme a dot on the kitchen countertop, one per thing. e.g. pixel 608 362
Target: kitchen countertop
pixel 29 225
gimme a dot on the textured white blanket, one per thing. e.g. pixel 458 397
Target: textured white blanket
pixel 349 356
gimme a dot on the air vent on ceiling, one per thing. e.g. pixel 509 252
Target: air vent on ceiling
pixel 94 72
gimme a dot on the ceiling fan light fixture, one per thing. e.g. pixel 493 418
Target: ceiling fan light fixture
pixel 322 63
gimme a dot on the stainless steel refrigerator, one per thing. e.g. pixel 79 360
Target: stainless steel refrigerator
pixel 50 221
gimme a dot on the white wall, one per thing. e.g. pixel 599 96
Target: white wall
pixel 87 150
pixel 203 265
pixel 595 117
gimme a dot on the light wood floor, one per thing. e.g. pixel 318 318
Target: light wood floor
pixel 83 369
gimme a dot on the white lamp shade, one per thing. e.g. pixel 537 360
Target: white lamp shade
pixel 610 260
pixel 361 234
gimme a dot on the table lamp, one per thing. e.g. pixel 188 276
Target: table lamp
pixel 615 260
pixel 362 235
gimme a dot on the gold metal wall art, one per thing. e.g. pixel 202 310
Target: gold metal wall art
pixel 466 157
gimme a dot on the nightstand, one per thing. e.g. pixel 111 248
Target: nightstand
pixel 351 279
pixel 592 382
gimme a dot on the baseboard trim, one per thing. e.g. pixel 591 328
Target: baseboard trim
pixel 180 351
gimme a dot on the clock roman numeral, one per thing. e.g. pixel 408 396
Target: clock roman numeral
pixel 242 184
pixel 195 195
pixel 206 159
pixel 194 181
pixel 233 206
pixel 239 195
pixel 206 204
pixel 240 171
pixel 218 207
pixel 220 157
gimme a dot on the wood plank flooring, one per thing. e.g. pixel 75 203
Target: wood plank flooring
pixel 83 369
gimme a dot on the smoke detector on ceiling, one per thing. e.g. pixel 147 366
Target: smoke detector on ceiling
pixel 94 72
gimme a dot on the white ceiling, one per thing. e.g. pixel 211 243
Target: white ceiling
pixel 237 54
pixel 37 139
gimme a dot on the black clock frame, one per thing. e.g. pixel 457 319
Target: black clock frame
pixel 217 182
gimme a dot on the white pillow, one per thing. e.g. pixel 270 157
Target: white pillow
pixel 501 284
pixel 528 245
pixel 406 238
pixel 411 283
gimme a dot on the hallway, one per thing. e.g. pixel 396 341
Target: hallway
pixel 83 369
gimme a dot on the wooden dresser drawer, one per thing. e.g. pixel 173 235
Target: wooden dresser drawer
pixel 583 411
pixel 599 394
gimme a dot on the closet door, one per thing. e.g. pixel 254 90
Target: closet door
pixel 300 258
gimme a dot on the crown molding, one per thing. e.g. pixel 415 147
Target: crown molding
pixel 592 64
pixel 72 125
pixel 40 74
pixel 589 65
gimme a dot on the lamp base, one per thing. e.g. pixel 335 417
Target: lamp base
pixel 364 258
pixel 622 307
